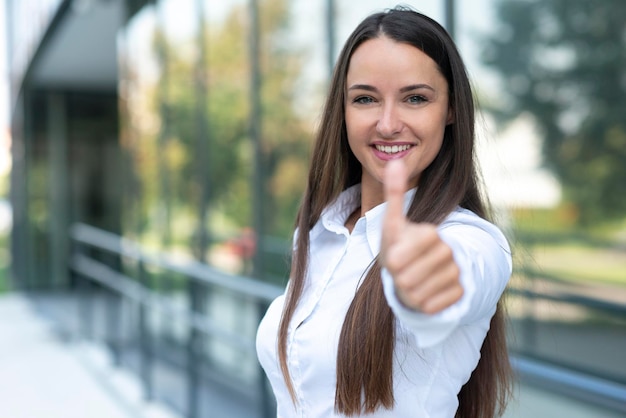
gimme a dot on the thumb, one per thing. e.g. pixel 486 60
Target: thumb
pixel 395 181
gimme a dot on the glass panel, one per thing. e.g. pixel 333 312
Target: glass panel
pixel 140 73
pixel 38 215
pixel 553 143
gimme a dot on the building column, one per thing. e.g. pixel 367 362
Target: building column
pixel 58 187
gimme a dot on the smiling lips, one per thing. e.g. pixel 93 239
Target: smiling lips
pixel 391 152
pixel 392 149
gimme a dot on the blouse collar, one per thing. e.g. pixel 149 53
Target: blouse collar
pixel 334 217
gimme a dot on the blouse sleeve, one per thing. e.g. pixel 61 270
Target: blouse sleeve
pixel 484 260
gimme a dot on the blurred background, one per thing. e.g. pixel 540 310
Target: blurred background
pixel 153 155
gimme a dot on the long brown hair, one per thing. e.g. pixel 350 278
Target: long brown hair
pixel 365 353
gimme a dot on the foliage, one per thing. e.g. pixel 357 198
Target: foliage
pixel 200 141
pixel 564 62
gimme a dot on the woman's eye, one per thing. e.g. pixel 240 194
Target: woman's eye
pixel 363 100
pixel 416 99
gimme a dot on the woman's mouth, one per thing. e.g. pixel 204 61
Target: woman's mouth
pixel 392 149
pixel 391 152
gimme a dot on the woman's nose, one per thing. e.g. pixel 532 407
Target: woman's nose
pixel 389 123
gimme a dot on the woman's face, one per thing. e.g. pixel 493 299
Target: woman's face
pixel 396 107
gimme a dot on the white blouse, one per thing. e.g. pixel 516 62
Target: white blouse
pixel 434 354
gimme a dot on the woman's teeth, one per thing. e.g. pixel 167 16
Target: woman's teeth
pixel 392 149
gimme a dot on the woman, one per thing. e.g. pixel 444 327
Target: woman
pixel 396 275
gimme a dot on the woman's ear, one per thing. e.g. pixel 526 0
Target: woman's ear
pixel 450 118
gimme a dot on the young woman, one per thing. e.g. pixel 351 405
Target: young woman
pixel 392 308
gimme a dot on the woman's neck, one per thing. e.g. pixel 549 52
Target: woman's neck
pixel 371 197
pixel 353 218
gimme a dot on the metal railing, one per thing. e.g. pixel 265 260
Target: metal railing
pixel 101 258
pixel 559 378
pixel 199 279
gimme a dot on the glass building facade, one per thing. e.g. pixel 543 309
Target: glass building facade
pixel 186 125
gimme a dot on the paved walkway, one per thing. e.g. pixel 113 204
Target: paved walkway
pixel 43 376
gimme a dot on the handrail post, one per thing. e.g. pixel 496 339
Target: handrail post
pixel 145 340
pixel 194 359
pixel 85 302
pixel 113 306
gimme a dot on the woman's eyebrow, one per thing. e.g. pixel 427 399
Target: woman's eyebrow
pixel 405 89
pixel 416 87
pixel 363 87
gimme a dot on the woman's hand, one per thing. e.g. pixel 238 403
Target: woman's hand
pixel 425 275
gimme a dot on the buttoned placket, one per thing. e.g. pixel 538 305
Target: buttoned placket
pixel 303 313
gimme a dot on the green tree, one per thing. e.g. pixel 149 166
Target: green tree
pixel 284 133
pixel 564 62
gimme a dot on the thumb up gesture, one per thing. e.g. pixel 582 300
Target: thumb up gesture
pixel 424 272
